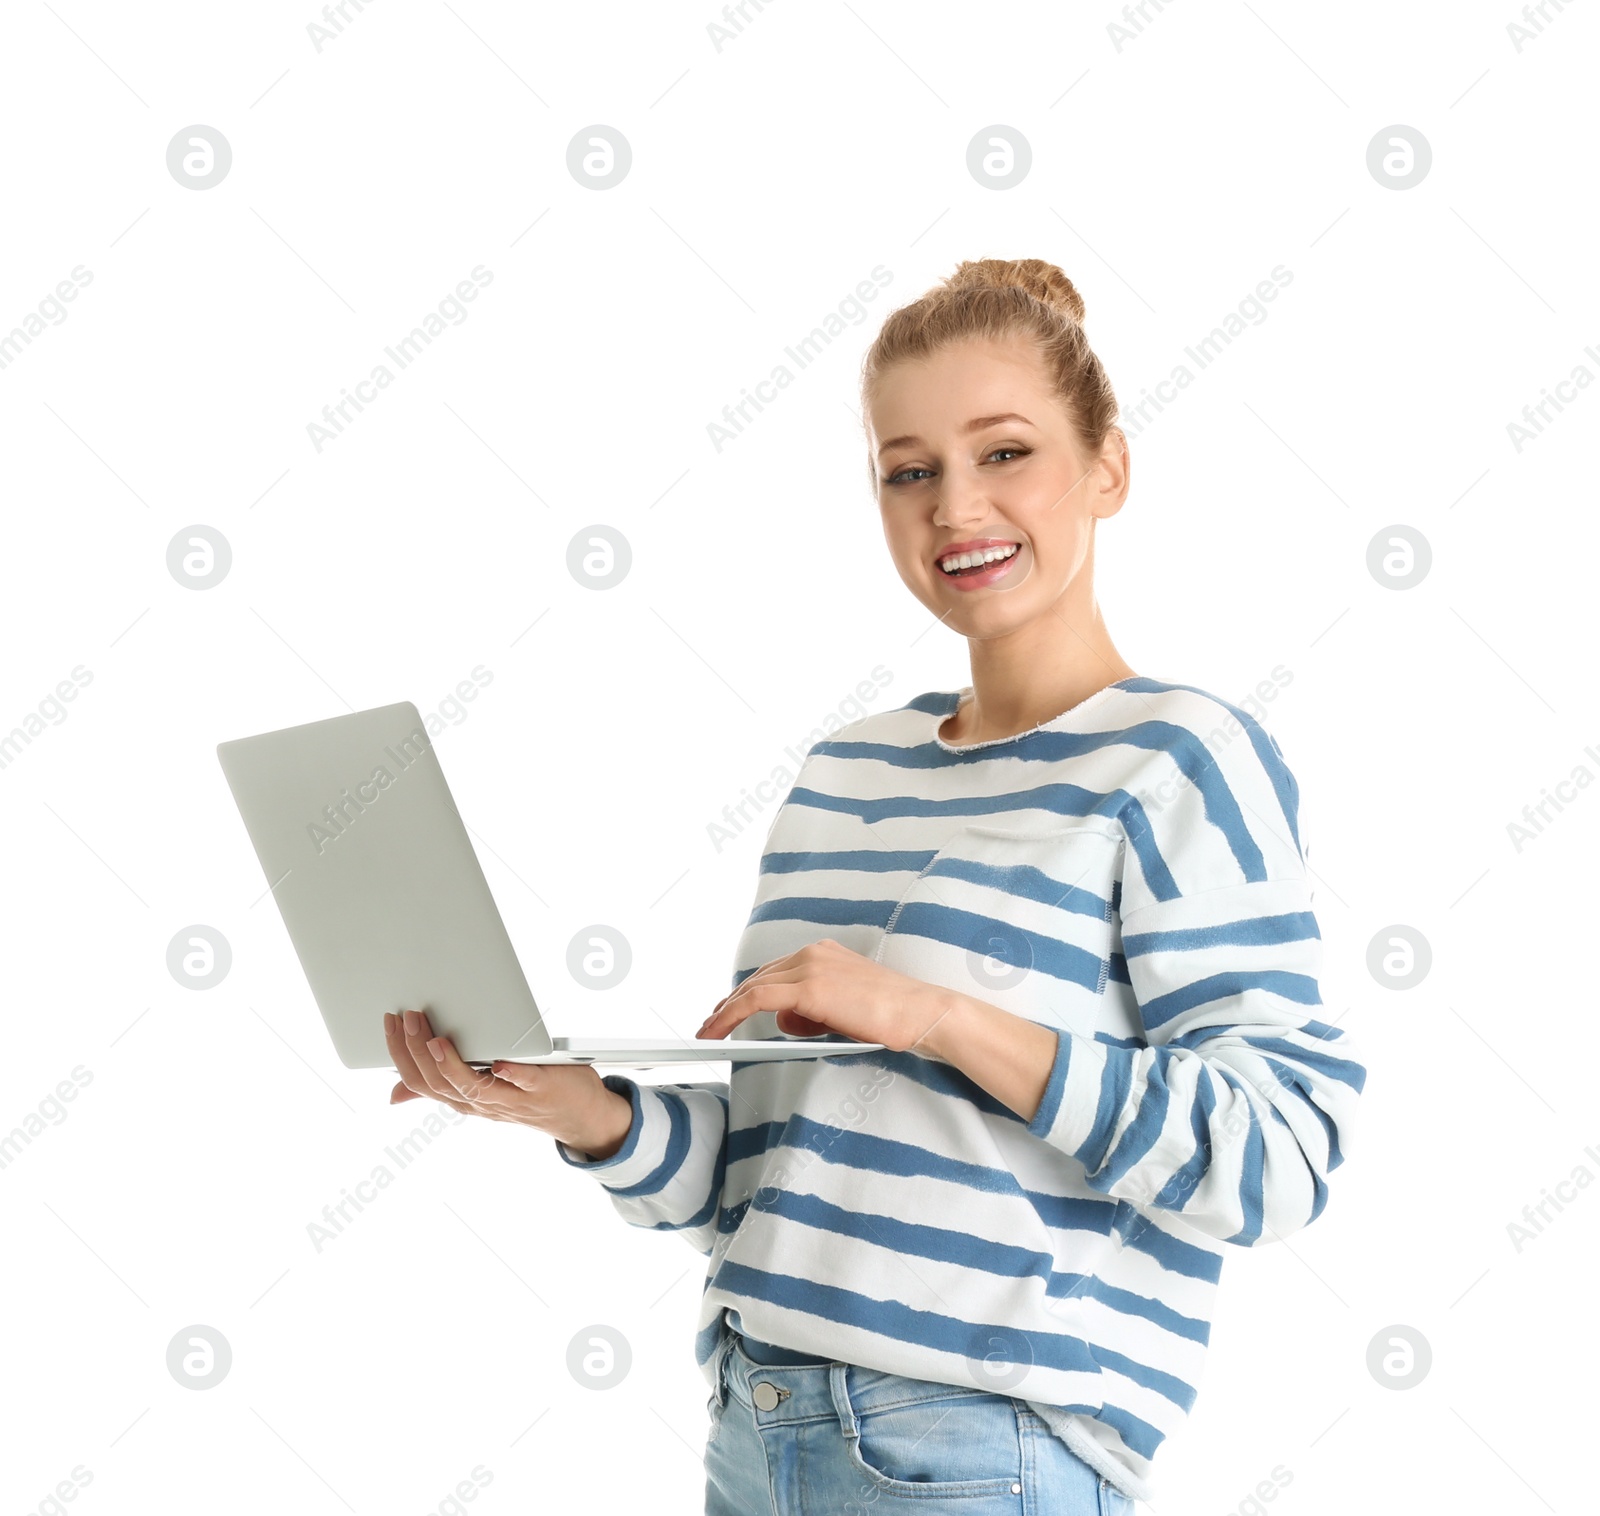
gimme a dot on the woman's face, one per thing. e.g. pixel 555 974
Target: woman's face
pixel 973 447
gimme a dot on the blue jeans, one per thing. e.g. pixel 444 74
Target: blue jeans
pixel 843 1440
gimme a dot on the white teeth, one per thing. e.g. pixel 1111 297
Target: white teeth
pixel 967 560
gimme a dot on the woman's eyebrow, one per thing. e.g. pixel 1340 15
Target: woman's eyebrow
pixel 977 424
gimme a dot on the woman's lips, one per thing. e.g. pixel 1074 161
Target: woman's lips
pixel 992 573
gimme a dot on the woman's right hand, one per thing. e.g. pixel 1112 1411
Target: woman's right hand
pixel 568 1101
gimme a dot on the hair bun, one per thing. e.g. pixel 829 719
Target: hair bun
pixel 1044 281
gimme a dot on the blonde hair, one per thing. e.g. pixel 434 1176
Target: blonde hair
pixel 999 298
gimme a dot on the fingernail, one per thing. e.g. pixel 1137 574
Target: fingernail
pixel 436 1047
pixel 412 1022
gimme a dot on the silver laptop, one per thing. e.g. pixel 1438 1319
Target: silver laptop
pixel 388 910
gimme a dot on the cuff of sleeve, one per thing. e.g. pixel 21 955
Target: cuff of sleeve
pixel 640 1149
pixel 1080 1105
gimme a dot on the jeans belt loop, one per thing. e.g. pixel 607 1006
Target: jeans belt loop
pixel 841 1399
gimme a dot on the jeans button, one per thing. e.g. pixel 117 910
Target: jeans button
pixel 766 1396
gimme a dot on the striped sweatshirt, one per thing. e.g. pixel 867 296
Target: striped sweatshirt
pixel 1131 875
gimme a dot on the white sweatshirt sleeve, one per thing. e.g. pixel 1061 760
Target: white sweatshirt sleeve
pixel 1232 1111
pixel 667 1175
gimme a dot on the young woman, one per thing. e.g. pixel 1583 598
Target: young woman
pixel 978 1268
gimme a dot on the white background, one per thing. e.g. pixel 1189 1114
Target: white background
pixel 769 177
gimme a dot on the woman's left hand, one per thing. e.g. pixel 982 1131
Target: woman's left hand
pixel 826 987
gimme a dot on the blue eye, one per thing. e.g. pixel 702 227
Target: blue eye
pixel 900 478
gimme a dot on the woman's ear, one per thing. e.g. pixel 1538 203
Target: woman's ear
pixel 1113 471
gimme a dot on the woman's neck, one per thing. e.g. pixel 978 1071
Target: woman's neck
pixel 995 710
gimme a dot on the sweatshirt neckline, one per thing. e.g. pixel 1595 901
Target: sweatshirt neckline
pixel 953 699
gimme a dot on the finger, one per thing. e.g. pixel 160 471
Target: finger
pixel 421 1067
pixel 773 969
pixel 400 1055
pixel 778 993
pixel 418 1033
pixel 732 1008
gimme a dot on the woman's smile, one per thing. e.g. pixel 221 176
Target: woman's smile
pixel 978 578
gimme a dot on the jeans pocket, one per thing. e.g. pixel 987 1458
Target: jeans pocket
pixel 946 1442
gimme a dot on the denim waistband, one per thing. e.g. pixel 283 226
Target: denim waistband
pixel 831 1388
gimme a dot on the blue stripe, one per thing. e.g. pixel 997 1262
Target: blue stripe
pixel 1169 1386
pixel 1265 745
pixel 824 910
pixel 1321 1030
pixel 677 1147
pixel 1292 1078
pixel 1007 942
pixel 889 1155
pixel 886 1155
pixel 855 860
pixel 1024 882
pixel 1063 799
pixel 932 703
pixel 942 1078
pixel 1135 1432
pixel 1137 1231
pixel 1044 1118
pixel 1180 1185
pixel 1157 1312
pixel 752 1141
pixel 719 1174
pixel 1157 1011
pixel 1252 1177
pixel 1116 1083
pixel 1145 1129
pixel 1344 1070
pixel 1250 931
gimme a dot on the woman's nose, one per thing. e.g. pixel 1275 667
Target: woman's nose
pixel 962 504
pixel 963 515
